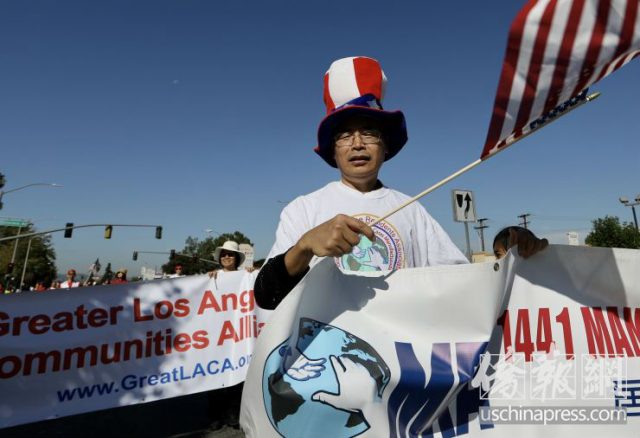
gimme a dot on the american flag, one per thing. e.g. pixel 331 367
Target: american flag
pixel 556 49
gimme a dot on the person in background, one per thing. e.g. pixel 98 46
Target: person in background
pixel 177 273
pixel 107 276
pixel 70 281
pixel 224 403
pixel 229 257
pixel 530 246
pixel 8 287
pixel 121 277
pixel 55 284
pixel 40 287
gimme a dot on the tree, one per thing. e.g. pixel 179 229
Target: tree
pixel 608 232
pixel 204 250
pixel 41 264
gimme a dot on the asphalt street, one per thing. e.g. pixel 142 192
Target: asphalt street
pixel 178 417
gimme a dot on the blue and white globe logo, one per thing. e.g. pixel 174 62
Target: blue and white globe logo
pixel 385 253
pixel 314 385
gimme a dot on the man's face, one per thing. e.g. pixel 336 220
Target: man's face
pixel 359 160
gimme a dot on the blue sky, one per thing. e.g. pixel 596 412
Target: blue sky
pixel 203 114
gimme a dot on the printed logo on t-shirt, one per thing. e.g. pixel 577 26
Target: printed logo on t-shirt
pixel 385 254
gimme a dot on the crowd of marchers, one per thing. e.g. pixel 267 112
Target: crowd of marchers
pixel 223 255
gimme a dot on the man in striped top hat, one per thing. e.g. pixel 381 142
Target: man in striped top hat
pixel 356 136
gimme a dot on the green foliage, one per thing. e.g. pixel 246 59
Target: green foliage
pixel 204 250
pixel 41 264
pixel 608 232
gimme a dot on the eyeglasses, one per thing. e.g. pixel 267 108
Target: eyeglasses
pixel 227 254
pixel 367 136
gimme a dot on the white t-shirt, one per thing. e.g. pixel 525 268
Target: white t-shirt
pixel 67 284
pixel 408 238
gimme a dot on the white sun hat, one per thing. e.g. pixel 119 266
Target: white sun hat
pixel 229 245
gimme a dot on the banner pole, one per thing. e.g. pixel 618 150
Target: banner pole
pixel 470 166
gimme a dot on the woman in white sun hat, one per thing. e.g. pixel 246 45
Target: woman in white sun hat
pixel 230 258
pixel 224 403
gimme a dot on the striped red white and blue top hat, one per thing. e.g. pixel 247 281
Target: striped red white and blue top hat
pixel 355 86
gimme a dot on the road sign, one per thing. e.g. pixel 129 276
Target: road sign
pixel 464 207
pixel 248 252
pixel 574 238
pixel 19 223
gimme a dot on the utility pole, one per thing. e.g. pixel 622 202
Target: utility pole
pixel 524 217
pixel 481 228
pixel 626 203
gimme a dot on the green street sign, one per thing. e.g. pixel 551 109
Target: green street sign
pixel 13 223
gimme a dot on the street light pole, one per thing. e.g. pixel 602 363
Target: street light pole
pixel 15 246
pixel 24 266
pixel 26 261
pixel 22 224
pixel 211 230
pixel 4 192
pixel 624 201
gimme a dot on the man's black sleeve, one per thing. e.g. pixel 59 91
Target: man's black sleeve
pixel 274 282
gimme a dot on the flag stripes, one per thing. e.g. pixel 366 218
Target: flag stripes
pixel 555 50
pixel 353 76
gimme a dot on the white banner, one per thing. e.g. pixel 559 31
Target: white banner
pixel 65 352
pixel 549 343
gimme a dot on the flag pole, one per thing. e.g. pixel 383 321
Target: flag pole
pixel 470 166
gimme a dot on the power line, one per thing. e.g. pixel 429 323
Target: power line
pixel 562 218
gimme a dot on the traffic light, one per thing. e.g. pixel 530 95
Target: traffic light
pixel 158 232
pixel 10 268
pixel 107 231
pixel 68 230
pixel 135 255
pixel 172 254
